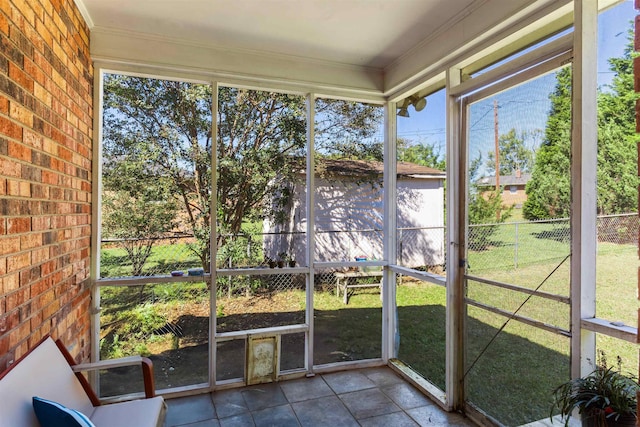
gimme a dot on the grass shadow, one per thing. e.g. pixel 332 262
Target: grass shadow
pixel 512 381
pixel 557 234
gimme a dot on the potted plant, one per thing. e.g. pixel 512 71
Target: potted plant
pixel 281 259
pixel 285 259
pixel 272 263
pixel 291 261
pixel 605 397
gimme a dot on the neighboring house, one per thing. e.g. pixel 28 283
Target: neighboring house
pixel 348 214
pixel 513 187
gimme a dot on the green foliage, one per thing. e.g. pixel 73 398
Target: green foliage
pixel 421 154
pixel 617 140
pixel 132 329
pixel 484 207
pixel 605 393
pixel 514 155
pixel 135 221
pixel 159 132
pixel 136 208
pixel 344 130
pixel 549 190
pixel 242 249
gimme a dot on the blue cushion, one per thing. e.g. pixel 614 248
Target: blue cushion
pixel 52 414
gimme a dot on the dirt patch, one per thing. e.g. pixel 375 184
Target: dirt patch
pixel 180 349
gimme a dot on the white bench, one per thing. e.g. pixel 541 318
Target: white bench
pixel 48 371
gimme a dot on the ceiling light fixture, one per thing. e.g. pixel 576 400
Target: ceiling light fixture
pixel 418 103
pixel 403 108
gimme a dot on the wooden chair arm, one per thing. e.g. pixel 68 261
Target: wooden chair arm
pixel 145 363
pixel 108 364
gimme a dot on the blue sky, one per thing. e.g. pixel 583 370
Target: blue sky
pixel 523 108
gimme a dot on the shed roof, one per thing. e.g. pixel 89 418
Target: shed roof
pixel 490 181
pixel 360 168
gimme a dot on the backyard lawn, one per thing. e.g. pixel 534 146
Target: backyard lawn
pixel 170 323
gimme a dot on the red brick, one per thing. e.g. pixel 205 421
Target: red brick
pixel 9 245
pixel 38 288
pixel 25 10
pixel 4 28
pixel 4 339
pixel 4 104
pixel 20 77
pixel 40 223
pixel 48 267
pixel 18 225
pixel 32 139
pixel 18 336
pixel 10 168
pixel 36 322
pixel 44 32
pixel 19 151
pixel 636 38
pixel 18 262
pixel 30 241
pixel 20 114
pixel 16 299
pixel 18 188
pixel 49 177
pixel 49 304
pixel 10 129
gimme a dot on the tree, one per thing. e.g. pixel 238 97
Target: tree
pixel 484 207
pixel 136 211
pixel 421 154
pixel 162 130
pixel 166 125
pixel 514 154
pixel 548 191
pixel 617 139
pixel 346 130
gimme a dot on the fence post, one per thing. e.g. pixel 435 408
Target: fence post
pixel 515 260
pixel 230 293
pixel 399 254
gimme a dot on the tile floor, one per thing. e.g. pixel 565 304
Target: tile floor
pixel 365 397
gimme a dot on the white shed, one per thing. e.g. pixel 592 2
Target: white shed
pixel 348 215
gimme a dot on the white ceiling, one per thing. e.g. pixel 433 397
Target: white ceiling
pixel 369 33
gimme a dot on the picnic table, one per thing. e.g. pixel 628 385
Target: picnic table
pixel 351 279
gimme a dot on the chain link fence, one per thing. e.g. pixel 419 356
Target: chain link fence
pixel 518 244
pixel 491 246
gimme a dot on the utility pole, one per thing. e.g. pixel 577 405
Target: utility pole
pixel 497 146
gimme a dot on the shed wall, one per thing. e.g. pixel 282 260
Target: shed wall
pixel 349 223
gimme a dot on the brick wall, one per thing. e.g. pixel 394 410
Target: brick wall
pixel 45 176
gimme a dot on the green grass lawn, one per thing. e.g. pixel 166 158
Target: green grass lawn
pixel 164 259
